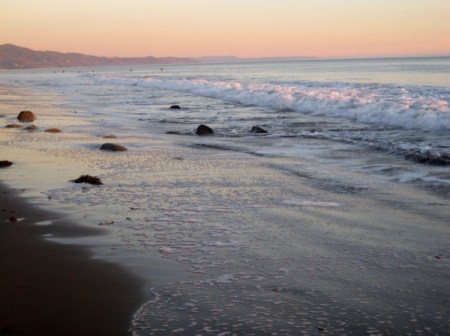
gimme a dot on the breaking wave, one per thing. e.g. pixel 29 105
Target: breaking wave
pixel 411 107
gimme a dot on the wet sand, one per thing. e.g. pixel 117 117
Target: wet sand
pixel 50 288
pixel 54 289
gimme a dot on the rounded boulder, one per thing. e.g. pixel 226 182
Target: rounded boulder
pixel 26 116
pixel 204 130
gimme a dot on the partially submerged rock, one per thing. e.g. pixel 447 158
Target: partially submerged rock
pixel 113 147
pixel 53 130
pixel 88 179
pixel 258 130
pixel 26 116
pixel 204 130
pixel 5 163
pixel 13 126
pixel 31 128
pixel 109 136
pixel 429 158
pixel 175 107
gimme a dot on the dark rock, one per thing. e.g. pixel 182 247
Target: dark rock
pixel 113 147
pixel 173 132
pixel 258 130
pixel 429 158
pixel 26 116
pixel 110 136
pixel 88 179
pixel 175 107
pixel 31 128
pixel 53 130
pixel 204 130
pixel 5 163
pixel 13 219
pixel 13 126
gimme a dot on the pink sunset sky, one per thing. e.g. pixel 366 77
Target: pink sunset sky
pixel 246 28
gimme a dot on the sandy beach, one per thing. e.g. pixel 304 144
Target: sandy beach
pixel 49 288
pixel 54 289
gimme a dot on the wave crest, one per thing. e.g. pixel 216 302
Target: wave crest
pixel 411 107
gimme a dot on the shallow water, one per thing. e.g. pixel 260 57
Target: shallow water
pixel 319 226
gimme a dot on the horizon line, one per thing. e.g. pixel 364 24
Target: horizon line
pixel 331 57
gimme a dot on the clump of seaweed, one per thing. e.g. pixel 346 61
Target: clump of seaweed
pixel 88 179
pixel 5 163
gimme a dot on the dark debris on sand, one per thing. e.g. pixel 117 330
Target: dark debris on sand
pixel 88 179
pixel 5 163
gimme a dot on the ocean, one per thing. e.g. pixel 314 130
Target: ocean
pixel 335 220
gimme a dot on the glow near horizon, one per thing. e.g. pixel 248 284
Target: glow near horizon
pixel 246 28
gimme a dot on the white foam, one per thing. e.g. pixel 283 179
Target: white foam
pixel 223 243
pixel 45 223
pixel 306 203
pixel 223 279
pixel 166 250
pixel 408 107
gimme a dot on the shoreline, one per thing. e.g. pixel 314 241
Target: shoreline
pixel 49 288
pixel 235 241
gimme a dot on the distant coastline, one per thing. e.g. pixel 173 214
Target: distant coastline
pixel 15 57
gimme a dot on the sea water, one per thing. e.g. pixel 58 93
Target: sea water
pixel 397 106
pixel 332 221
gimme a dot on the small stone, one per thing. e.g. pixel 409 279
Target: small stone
pixel 175 107
pixel 110 136
pixel 5 163
pixel 53 130
pixel 258 130
pixel 13 220
pixel 113 147
pixel 204 130
pixel 13 126
pixel 26 116
pixel 31 128
pixel 88 179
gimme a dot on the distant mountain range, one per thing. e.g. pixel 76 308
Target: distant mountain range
pixel 14 57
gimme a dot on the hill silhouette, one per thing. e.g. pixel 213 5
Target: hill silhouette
pixel 15 57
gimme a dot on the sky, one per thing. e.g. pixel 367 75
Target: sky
pixel 245 28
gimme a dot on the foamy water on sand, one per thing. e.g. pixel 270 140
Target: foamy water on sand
pixel 326 224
